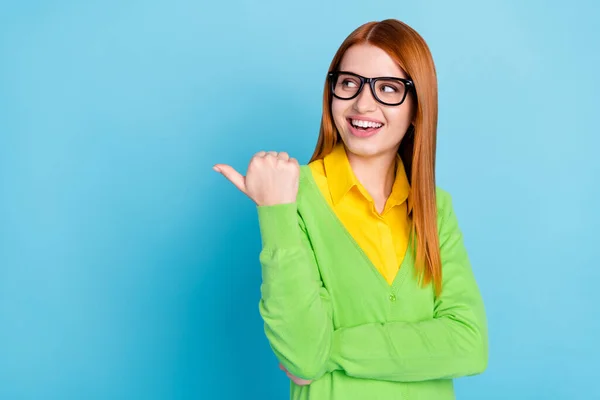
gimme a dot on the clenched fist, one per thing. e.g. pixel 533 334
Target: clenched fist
pixel 272 178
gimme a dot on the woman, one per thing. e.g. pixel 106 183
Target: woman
pixel 367 289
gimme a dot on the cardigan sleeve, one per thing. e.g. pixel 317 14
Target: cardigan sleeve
pixel 453 343
pixel 294 305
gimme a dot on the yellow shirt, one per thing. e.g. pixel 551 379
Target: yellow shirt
pixel 383 237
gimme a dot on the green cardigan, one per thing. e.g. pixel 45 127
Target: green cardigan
pixel 331 317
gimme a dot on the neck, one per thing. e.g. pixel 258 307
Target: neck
pixel 376 173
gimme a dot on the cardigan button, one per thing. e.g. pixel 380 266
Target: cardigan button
pixel 392 297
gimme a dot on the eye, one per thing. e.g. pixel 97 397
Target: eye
pixel 389 89
pixel 349 83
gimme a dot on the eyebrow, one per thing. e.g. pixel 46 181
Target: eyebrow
pixel 379 76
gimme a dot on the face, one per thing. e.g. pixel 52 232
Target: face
pixel 385 125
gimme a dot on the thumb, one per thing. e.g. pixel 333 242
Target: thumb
pixel 238 180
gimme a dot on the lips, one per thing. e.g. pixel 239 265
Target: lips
pixel 363 132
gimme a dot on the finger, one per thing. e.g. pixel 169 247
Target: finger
pixel 238 180
pixel 293 160
pixel 272 153
pixel 260 154
pixel 283 156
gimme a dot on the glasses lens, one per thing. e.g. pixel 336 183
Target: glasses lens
pixel 345 86
pixel 389 91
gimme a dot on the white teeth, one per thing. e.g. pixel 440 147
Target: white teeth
pixel 366 124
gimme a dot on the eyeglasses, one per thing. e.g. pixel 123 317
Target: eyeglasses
pixel 389 91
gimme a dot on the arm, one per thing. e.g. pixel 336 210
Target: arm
pixel 294 305
pixel 452 344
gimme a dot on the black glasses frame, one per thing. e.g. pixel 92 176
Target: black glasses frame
pixel 332 76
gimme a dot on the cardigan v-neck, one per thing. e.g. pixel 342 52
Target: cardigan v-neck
pixel 382 235
pixel 332 318
pixel 339 226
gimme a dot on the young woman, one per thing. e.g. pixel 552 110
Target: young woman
pixel 367 288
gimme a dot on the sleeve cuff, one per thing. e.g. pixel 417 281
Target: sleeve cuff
pixel 279 225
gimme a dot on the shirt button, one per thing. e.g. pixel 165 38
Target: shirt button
pixel 392 297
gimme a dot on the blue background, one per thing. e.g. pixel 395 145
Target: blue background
pixel 129 269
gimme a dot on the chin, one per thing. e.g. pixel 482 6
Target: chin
pixel 363 147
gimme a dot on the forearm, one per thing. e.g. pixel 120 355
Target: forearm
pixel 440 348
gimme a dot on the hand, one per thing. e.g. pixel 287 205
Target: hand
pixel 296 380
pixel 272 178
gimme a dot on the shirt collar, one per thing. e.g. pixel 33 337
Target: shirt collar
pixel 341 178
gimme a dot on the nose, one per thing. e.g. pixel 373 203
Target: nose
pixel 365 101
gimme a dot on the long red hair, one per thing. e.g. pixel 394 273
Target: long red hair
pixel 417 149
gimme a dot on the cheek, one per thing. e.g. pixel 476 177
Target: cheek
pixel 338 109
pixel 400 118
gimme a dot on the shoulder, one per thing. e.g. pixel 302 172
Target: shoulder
pixel 312 174
pixel 315 170
pixel 446 217
pixel 443 199
pixel 305 175
pixel 305 186
pixel 445 208
pixel 309 189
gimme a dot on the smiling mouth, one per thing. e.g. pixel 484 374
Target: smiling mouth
pixel 362 128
